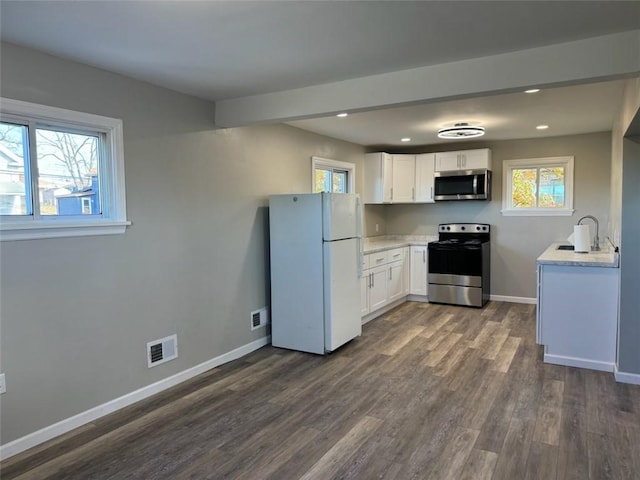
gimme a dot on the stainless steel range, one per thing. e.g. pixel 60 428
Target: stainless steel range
pixel 459 264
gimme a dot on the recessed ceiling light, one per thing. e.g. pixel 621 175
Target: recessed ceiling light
pixel 461 130
pixel 342 115
pixel 542 127
pixel 532 90
pixel 405 139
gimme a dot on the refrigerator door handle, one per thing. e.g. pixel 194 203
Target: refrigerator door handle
pixel 359 257
pixel 359 230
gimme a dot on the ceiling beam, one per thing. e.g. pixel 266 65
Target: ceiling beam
pixel 593 59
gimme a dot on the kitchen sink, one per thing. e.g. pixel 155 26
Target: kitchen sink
pixel 565 247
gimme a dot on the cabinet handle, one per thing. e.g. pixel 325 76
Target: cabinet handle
pixel 391 193
pixel 370 283
pixel 373 280
pixel 390 270
pixel 413 194
pixel 464 160
pixel 431 194
pixel 424 256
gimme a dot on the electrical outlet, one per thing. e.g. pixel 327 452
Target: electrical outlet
pixel 3 385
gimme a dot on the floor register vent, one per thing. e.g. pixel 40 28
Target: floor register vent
pixel 259 318
pixel 161 351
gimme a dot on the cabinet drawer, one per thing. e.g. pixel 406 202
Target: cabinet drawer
pixel 377 259
pixel 395 255
pixel 365 261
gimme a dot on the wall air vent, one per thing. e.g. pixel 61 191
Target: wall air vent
pixel 161 351
pixel 259 318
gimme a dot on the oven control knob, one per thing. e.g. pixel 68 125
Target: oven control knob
pixel 477 228
pixel 462 228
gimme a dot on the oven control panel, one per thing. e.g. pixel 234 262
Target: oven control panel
pixel 464 228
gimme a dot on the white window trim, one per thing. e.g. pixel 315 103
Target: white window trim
pixel 113 219
pixel 350 168
pixel 508 165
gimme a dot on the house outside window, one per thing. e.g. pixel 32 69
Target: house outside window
pixel 61 172
pixel 538 186
pixel 332 176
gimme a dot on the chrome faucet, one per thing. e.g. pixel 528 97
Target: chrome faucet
pixel 596 239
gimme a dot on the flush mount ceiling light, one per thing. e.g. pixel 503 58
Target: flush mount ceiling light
pixel 461 130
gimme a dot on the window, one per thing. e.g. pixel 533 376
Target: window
pixel 61 173
pixel 332 176
pixel 86 206
pixel 538 186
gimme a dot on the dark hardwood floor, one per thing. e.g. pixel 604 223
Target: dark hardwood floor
pixel 427 392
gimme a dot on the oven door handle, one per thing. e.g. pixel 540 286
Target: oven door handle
pixel 443 248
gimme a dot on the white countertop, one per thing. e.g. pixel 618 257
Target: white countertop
pixel 603 258
pixel 385 242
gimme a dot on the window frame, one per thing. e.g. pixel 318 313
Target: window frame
pixel 319 162
pixel 507 193
pixel 112 220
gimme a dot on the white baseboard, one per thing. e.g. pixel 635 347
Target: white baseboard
pixel 579 362
pixel 504 298
pixel 624 377
pixel 31 440
pixel 418 298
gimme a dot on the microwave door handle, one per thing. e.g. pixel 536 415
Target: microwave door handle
pixel 475 184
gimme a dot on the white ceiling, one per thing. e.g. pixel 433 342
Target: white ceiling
pixel 225 50
pixel 566 110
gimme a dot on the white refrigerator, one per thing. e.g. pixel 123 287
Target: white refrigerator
pixel 315 254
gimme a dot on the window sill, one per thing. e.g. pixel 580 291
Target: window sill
pixel 537 212
pixel 56 229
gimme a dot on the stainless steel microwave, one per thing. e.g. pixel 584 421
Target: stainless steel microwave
pixel 462 185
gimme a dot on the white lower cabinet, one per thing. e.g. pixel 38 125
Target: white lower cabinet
pixel 577 315
pixel 394 282
pixel 418 271
pixel 407 270
pixel 364 293
pixel 378 288
pixel 385 281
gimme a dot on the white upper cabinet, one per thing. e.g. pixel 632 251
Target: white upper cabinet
pixel 404 174
pixel 378 178
pixel 398 178
pixel 425 164
pixel 409 178
pixel 463 160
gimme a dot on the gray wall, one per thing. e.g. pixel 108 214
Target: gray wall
pixel 518 241
pixel 194 261
pixel 629 328
pixel 626 218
